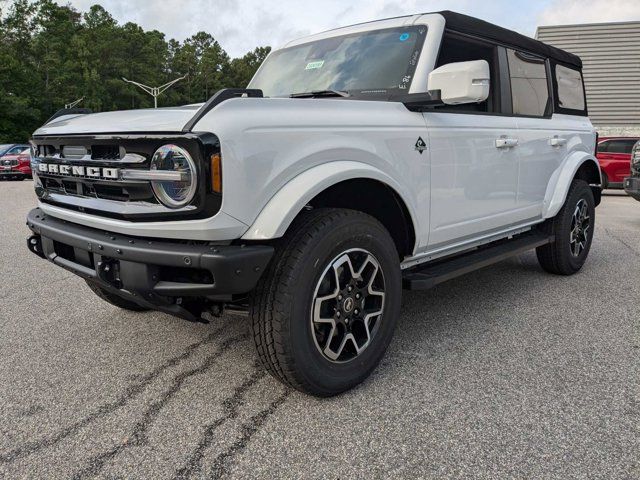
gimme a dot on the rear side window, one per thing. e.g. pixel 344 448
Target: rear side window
pixel 623 145
pixel 529 84
pixel 570 89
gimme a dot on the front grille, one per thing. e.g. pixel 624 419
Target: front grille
pixel 106 152
pixel 635 158
pixel 81 188
pixel 11 163
pixel 69 183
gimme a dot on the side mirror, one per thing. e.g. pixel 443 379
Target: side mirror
pixel 461 82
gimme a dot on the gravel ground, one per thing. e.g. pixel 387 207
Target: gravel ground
pixel 507 372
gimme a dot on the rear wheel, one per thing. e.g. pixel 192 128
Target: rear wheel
pixel 114 299
pixel 605 181
pixel 325 311
pixel 573 229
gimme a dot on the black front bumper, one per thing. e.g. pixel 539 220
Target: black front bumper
pixel 632 187
pixel 157 274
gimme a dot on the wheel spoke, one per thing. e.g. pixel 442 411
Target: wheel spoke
pixel 343 319
pixel 580 224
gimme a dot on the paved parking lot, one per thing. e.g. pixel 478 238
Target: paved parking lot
pixel 507 372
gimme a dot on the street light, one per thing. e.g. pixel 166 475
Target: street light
pixel 73 104
pixel 155 91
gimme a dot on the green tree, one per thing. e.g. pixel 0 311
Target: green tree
pixel 241 70
pixel 52 54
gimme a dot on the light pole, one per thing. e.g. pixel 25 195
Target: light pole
pixel 155 91
pixel 73 104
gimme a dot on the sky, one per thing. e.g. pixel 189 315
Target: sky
pixel 242 25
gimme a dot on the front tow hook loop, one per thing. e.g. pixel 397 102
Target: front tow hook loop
pixel 34 243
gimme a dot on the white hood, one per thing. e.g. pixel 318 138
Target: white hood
pixel 126 121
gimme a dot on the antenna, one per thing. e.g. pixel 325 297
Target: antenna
pixel 73 104
pixel 155 91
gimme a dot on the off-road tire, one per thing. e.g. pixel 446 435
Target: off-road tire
pixel 557 257
pixel 280 305
pixel 114 299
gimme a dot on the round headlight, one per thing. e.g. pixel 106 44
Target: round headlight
pixel 178 192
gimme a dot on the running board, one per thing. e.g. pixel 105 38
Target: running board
pixel 427 276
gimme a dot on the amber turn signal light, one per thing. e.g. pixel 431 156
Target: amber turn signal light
pixel 216 173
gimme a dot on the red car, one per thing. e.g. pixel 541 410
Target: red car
pixel 614 156
pixel 15 162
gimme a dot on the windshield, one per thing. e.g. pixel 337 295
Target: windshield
pixel 378 62
pixel 4 148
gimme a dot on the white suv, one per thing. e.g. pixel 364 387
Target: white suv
pixel 360 161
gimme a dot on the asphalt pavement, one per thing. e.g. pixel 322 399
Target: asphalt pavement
pixel 506 373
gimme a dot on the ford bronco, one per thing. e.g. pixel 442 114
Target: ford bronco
pixel 360 161
pixel 632 183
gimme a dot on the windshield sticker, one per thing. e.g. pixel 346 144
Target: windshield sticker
pixel 314 65
pixel 404 37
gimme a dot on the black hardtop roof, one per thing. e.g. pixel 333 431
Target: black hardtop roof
pixel 474 26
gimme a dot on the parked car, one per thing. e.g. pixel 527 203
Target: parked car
pixel 15 161
pixel 614 157
pixel 390 154
pixel 12 148
pixel 632 183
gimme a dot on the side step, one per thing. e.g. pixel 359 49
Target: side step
pixel 427 276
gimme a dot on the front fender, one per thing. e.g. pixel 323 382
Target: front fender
pixel 284 206
pixel 560 181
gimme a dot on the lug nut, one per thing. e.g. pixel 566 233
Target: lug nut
pixel 356 311
pixel 338 313
pixel 358 296
pixel 339 297
pixel 349 288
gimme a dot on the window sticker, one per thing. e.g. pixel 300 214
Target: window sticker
pixel 404 37
pixel 314 65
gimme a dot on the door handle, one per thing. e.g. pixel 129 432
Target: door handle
pixel 557 141
pixel 504 142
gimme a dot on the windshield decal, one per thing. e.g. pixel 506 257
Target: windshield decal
pixel 314 65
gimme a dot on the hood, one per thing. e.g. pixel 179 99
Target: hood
pixel 126 121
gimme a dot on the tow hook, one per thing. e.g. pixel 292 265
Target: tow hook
pixel 108 272
pixel 34 243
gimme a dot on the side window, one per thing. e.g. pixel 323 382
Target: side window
pixel 462 49
pixel 570 89
pixel 603 147
pixel 529 84
pixel 622 146
pixel 15 151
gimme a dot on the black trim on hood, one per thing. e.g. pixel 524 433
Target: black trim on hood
pixel 219 97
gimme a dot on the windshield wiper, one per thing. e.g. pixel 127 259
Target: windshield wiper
pixel 320 93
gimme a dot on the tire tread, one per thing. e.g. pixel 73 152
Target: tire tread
pixel 270 298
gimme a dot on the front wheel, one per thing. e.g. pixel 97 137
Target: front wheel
pixel 573 229
pixel 324 313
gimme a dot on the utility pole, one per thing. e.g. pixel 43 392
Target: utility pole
pixel 73 104
pixel 155 91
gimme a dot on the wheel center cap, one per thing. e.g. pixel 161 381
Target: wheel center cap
pixel 348 304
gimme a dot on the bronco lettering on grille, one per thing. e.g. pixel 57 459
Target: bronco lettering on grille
pixel 79 171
